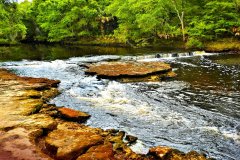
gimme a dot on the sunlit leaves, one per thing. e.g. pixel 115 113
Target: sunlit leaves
pixel 64 19
pixel 12 28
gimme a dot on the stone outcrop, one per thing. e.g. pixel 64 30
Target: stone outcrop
pixel 131 71
pixel 17 144
pixel 31 129
pixel 104 152
pixel 168 153
pixel 72 115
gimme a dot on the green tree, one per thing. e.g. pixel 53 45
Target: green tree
pixel 12 28
pixel 216 20
pixel 141 21
pixel 68 19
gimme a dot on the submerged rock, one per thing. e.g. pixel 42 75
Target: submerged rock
pixel 131 71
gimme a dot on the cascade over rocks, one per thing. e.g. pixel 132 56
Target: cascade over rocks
pixel 32 129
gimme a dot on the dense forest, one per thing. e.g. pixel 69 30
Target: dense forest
pixel 131 22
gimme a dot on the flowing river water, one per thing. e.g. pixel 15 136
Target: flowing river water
pixel 198 110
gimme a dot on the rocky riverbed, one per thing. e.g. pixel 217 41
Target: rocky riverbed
pixel 32 129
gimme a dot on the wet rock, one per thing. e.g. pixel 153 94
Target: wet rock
pixel 29 82
pixel 131 139
pixel 158 55
pixel 167 153
pixel 39 121
pixel 49 109
pixel 117 137
pixel 16 144
pixel 101 152
pixel 123 70
pixel 73 115
pixel 159 151
pixel 193 155
pixel 175 55
pixel 170 74
pixel 175 155
pixel 70 144
pixel 49 94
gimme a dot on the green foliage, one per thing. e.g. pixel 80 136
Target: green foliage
pixel 12 28
pixel 67 19
pixel 216 20
pixel 194 43
pixel 140 21
pixel 137 23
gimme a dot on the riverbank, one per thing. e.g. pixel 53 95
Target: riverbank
pixel 220 45
pixel 224 45
pixel 33 129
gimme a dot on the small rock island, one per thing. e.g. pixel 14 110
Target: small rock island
pixel 131 71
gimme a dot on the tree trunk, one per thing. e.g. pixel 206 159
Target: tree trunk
pixel 181 18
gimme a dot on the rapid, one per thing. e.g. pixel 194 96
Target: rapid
pixel 198 110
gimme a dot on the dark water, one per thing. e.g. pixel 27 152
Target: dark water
pixel 199 110
pixel 52 52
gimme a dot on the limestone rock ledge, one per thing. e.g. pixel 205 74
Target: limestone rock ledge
pixel 31 129
pixel 131 71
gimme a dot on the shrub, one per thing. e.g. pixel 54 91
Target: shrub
pixel 194 43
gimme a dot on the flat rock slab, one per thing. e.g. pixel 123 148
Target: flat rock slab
pixel 16 145
pixel 73 115
pixel 127 69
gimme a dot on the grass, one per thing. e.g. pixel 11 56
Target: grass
pixel 226 44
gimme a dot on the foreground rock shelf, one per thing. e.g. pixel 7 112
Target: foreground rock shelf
pixel 31 129
pixel 131 71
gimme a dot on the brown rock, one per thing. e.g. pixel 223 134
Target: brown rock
pixel 167 153
pixel 50 93
pixel 118 70
pixel 193 155
pixel 159 151
pixel 16 145
pixel 73 115
pixel 175 155
pixel 171 74
pixel 70 144
pixel 131 139
pixel 101 152
pixel 29 82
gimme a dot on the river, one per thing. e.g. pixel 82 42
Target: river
pixel 198 110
